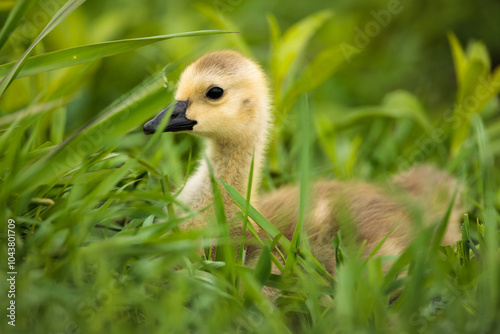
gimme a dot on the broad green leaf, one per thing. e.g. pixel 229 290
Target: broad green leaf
pixel 492 87
pixel 67 9
pixel 149 221
pixel 82 54
pixel 221 22
pixel 477 50
pixel 321 68
pixel 408 105
pixel 275 31
pixel 458 57
pixel 292 45
pixel 476 87
pixel 475 71
pixel 13 19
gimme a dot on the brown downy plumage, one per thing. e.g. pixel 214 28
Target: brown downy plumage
pixel 224 97
pixel 420 195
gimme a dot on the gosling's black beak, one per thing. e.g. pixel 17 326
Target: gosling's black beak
pixel 177 122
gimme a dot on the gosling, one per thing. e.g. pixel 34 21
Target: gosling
pixel 224 97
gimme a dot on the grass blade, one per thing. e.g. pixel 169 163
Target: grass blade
pixel 292 45
pixel 459 59
pixel 443 224
pixel 12 22
pixel 245 221
pixel 82 54
pixel 304 184
pixel 116 120
pixel 223 23
pixel 490 289
pixel 67 9
pixel 263 267
pixel 270 229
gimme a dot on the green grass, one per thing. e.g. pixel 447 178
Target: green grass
pixel 97 253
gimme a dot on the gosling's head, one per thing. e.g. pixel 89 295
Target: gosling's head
pixel 222 95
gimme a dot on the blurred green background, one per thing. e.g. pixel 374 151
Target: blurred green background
pixel 375 99
pixel 410 53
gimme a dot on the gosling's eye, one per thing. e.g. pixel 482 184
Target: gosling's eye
pixel 215 93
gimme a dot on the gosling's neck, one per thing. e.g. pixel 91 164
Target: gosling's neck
pixel 230 161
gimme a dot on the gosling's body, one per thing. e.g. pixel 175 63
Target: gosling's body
pixel 393 210
pixel 224 97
